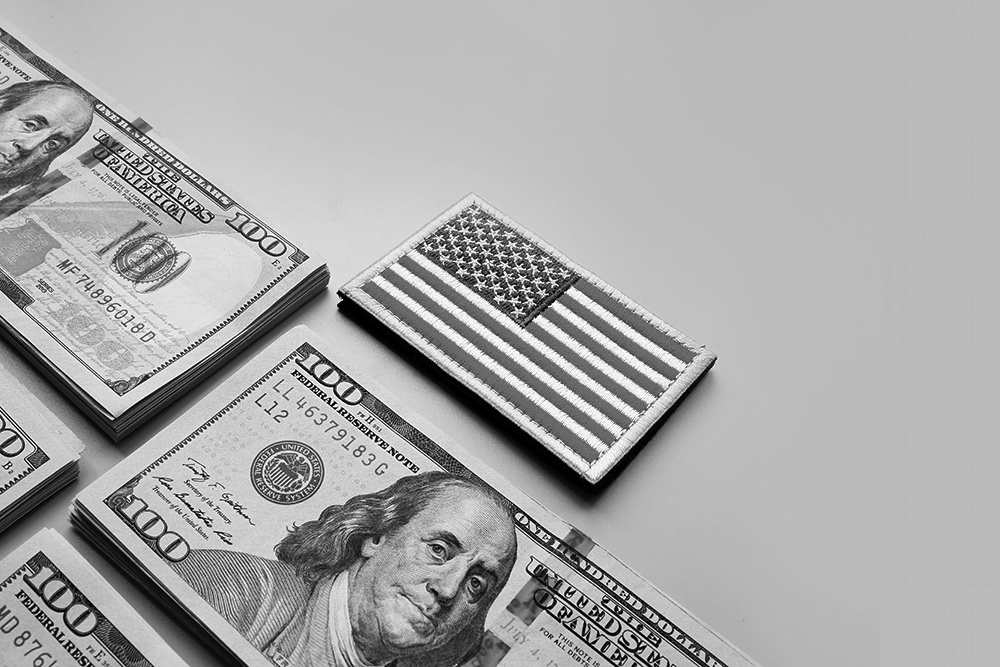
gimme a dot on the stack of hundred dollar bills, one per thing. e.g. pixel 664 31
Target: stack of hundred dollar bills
pixel 301 516
pixel 56 610
pixel 38 455
pixel 125 273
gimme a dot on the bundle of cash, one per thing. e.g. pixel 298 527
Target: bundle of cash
pixel 56 610
pixel 299 516
pixel 38 456
pixel 125 273
pixel 575 364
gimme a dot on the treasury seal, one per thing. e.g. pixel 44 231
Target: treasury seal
pixel 287 472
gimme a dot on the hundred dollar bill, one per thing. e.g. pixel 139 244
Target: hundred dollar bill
pixel 125 272
pixel 37 457
pixel 299 516
pixel 56 611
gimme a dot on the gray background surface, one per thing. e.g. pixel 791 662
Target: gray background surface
pixel 808 188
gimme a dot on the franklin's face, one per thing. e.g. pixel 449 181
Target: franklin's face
pixel 40 129
pixel 419 586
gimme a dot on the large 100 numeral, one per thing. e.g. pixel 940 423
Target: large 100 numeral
pixel 11 442
pixel 329 376
pixel 252 230
pixel 59 597
pixel 150 525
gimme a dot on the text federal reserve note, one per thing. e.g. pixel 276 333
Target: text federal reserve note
pixel 56 611
pixel 301 518
pixel 123 270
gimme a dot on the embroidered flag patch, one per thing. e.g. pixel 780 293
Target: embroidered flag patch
pixel 576 364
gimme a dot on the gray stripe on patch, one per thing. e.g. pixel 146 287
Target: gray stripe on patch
pixel 630 346
pixel 519 344
pixel 474 366
pixel 629 317
pixel 576 359
pixel 604 353
pixel 549 393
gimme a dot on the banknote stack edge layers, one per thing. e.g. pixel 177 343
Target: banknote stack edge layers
pixel 38 455
pixel 298 516
pixel 126 275
pixel 55 610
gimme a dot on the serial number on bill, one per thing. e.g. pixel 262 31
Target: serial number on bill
pixel 287 401
pixel 106 301
pixel 23 640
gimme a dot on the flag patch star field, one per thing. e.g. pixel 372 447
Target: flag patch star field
pixel 577 365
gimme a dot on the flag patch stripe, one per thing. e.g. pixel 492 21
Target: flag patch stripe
pixel 605 343
pixel 627 391
pixel 557 365
pixel 636 321
pixel 522 367
pixel 553 422
pixel 608 324
pixel 558 320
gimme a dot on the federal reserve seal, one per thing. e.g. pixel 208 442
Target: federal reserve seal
pixel 287 472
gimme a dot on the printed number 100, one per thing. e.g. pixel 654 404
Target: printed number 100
pixel 57 594
pixel 150 525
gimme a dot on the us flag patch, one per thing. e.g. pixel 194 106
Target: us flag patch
pixel 576 364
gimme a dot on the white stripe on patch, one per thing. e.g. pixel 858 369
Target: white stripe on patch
pixel 505 348
pixel 488 309
pixel 483 358
pixel 610 345
pixel 593 359
pixel 606 315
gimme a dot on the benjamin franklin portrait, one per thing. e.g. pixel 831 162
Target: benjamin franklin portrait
pixel 405 575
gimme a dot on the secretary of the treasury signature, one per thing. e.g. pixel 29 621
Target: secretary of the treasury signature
pixel 406 575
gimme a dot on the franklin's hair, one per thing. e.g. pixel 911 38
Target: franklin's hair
pixel 332 543
pixel 14 96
